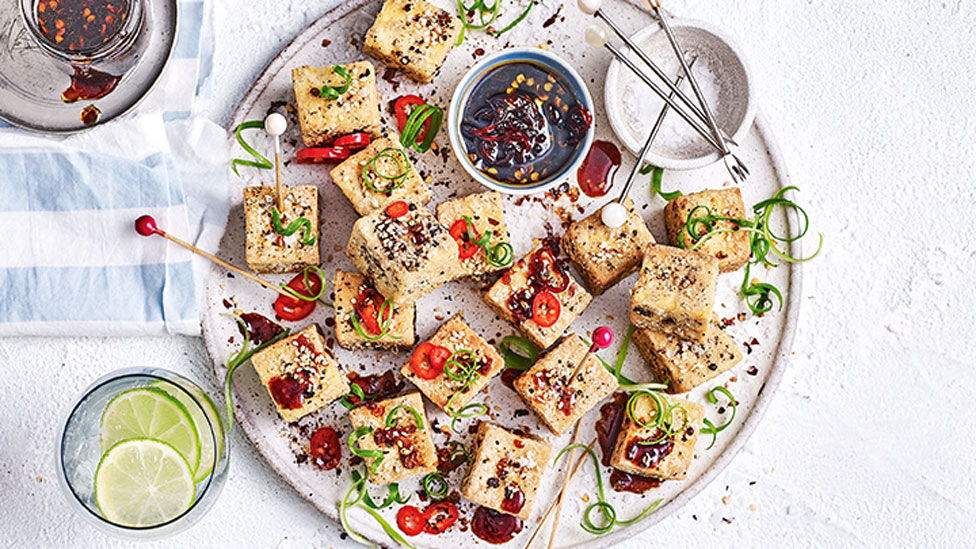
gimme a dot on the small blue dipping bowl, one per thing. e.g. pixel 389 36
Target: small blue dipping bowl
pixel 469 81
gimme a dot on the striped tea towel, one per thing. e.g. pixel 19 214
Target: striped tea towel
pixel 70 261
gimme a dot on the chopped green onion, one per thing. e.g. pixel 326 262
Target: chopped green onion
pixel 609 513
pixel 240 357
pixel 459 449
pixel 330 93
pixel 415 123
pixel 391 417
pixel 439 491
pixel 305 279
pixel 500 255
pixel 301 223
pixel 259 161
pixel 663 421
pixel 515 360
pixel 396 181
pixel 376 455
pixel 384 328
pixel 448 407
pixel 470 411
pixel 356 391
pixel 359 489
pixel 480 9
pixel 622 353
pixel 656 178
pixel 465 368
pixel 517 20
pixel 710 428
pixel 392 497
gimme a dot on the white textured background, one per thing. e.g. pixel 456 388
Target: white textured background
pixel 870 441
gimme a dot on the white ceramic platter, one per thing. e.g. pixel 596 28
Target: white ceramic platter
pixel 335 38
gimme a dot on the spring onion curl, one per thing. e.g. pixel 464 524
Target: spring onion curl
pixel 762 241
pixel 459 448
pixel 710 428
pixel 354 498
pixel 395 181
pixel 376 455
pixel 330 93
pixel 608 511
pixel 519 361
pixel 240 357
pixel 301 223
pixel 470 411
pixel 385 328
pixel 308 268
pixel 260 161
pixel 440 489
pixel 391 419
pixel 500 255
pixel 480 9
pixel 466 362
pixel 393 496
pixel 354 391
pixel 656 177
pixel 663 421
pixel 415 122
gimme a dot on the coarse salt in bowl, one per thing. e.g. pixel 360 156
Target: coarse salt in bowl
pixel 466 86
pixel 722 75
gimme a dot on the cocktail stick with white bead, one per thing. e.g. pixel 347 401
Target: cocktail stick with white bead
pixel 275 124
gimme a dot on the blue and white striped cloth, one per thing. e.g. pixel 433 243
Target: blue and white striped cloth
pixel 70 261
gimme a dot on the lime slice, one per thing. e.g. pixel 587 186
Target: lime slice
pixel 148 412
pixel 201 418
pixel 143 482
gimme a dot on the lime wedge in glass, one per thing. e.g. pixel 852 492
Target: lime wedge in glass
pixel 201 418
pixel 148 412
pixel 143 482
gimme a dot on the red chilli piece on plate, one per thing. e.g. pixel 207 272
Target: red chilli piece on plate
pixel 397 209
pixel 439 517
pixel 322 155
pixel 410 520
pixel 353 141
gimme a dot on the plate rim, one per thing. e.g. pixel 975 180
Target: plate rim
pixel 764 396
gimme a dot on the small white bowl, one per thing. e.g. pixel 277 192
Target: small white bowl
pixel 463 91
pixel 721 72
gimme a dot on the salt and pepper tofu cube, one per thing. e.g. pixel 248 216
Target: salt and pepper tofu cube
pixel 675 292
pixel 455 335
pixel 349 177
pixel 731 249
pixel 558 399
pixel 413 36
pixel 487 215
pixel 506 471
pixel 266 251
pixel 665 460
pixel 323 119
pixel 684 365
pixel 408 449
pixel 300 373
pixel 606 255
pixel 352 289
pixel 512 295
pixel 405 256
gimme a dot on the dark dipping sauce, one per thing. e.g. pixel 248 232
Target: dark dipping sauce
pixel 80 25
pixel 259 328
pixel 522 123
pixel 607 429
pixel 495 527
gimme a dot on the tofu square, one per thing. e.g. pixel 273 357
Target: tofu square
pixel 408 449
pixel 353 288
pixel 560 401
pixel 413 36
pixel 606 255
pixel 666 460
pixel 269 252
pixel 512 295
pixel 454 335
pixel 406 256
pixel 684 365
pixel 323 120
pixel 348 176
pixel 675 292
pixel 731 249
pixel 300 373
pixel 506 471
pixel 487 214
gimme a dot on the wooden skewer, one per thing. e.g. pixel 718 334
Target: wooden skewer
pixel 562 492
pixel 552 506
pixel 275 125
pixel 146 226
pixel 602 338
